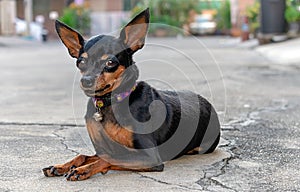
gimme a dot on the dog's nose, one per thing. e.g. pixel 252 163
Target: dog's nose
pixel 87 81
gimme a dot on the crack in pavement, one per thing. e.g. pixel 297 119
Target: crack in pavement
pixel 166 183
pixel 219 168
pixel 55 132
pixel 226 162
pixel 213 172
pixel 42 124
pixel 62 139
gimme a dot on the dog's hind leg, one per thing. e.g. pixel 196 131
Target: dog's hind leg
pixel 194 151
pixel 61 169
pixel 214 145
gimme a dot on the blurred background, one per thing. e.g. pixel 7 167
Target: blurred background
pixel 266 20
pixel 212 47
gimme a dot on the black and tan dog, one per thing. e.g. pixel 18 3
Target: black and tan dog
pixel 132 125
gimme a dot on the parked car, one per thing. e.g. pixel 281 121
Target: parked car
pixel 203 24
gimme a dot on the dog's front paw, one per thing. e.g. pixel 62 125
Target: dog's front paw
pixel 77 175
pixel 82 173
pixel 57 170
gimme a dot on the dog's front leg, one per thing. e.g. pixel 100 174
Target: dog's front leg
pixel 87 170
pixel 102 166
pixel 61 169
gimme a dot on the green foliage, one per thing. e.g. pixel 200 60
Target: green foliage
pixel 166 13
pixel 169 12
pixel 224 17
pixel 68 17
pixel 252 13
pixel 77 17
pixel 291 13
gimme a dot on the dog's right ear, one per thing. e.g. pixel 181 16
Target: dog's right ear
pixel 70 38
pixel 134 33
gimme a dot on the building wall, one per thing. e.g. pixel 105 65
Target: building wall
pixel 238 11
pixel 243 4
pixel 20 9
pixel 7 17
pixel 44 7
pixel 107 16
pixel 106 5
pixel 116 5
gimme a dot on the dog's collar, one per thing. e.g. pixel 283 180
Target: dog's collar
pixel 108 99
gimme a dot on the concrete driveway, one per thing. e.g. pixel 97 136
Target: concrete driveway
pixel 42 109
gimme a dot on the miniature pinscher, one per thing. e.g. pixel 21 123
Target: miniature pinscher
pixel 133 126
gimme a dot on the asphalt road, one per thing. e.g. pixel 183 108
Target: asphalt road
pixel 42 109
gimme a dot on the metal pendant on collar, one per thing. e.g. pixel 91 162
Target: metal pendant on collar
pixel 98 116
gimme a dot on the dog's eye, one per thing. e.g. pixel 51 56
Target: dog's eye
pixel 110 63
pixel 81 64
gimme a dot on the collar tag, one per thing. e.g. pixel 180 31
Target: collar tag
pixel 98 116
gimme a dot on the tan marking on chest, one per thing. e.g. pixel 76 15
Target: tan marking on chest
pixel 93 128
pixel 121 135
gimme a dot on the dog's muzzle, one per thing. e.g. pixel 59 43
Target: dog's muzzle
pixel 87 82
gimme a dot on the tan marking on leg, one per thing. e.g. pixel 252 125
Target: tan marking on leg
pixel 194 151
pixel 61 169
pixel 102 166
pixel 86 171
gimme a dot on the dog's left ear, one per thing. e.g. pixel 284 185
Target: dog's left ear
pixel 134 33
pixel 71 38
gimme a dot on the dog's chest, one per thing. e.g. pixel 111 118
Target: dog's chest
pixel 108 131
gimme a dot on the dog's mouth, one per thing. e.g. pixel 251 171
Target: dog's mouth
pixel 93 93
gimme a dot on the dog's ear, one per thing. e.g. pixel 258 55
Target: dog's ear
pixel 71 38
pixel 134 33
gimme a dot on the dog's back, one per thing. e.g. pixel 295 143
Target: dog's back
pixel 199 127
pixel 190 121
